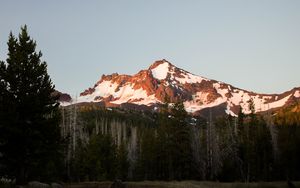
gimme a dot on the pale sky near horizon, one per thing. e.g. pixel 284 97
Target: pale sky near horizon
pixel 251 44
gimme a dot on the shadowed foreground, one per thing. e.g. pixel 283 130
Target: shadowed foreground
pixel 184 184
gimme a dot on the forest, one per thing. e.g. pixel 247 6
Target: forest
pixel 105 144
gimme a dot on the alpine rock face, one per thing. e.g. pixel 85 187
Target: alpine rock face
pixel 162 80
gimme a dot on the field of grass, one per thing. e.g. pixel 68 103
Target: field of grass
pixel 184 184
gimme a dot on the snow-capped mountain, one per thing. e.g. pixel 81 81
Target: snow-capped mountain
pixel 163 80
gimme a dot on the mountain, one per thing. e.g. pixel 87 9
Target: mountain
pixel 63 97
pixel 148 88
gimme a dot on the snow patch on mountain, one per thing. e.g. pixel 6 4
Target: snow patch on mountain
pixel 184 77
pixel 189 78
pixel 193 106
pixel 161 71
pixel 104 89
pixel 297 94
pixel 280 102
pixel 221 91
pixel 119 94
pixel 128 94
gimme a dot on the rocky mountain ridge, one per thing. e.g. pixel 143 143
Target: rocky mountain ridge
pixel 162 80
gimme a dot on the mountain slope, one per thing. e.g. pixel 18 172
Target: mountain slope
pixel 163 80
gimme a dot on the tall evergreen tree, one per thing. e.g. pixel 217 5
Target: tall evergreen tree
pixel 241 117
pixel 29 118
pixel 163 155
pixel 180 146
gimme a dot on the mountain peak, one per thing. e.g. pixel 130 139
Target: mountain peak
pixel 160 69
pixel 162 79
pixel 159 62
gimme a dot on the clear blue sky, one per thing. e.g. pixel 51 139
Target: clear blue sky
pixel 251 44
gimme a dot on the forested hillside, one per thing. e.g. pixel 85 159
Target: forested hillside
pixel 104 144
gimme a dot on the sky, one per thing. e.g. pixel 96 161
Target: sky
pixel 251 44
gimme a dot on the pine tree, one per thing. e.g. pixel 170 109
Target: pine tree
pixel 241 117
pixel 163 155
pixel 180 143
pixel 253 118
pixel 29 131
